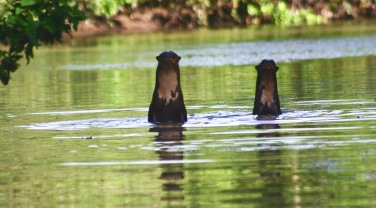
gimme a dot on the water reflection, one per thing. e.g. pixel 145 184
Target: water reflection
pixel 321 151
pixel 221 54
pixel 270 166
pixel 168 140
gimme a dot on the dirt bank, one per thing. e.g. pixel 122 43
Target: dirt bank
pixel 141 21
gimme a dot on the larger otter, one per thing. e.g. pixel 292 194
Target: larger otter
pixel 267 100
pixel 167 104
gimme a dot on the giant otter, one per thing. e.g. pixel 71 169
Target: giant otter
pixel 267 101
pixel 167 104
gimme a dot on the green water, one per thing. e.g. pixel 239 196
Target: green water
pixel 74 130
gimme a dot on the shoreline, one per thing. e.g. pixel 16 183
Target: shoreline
pixel 138 22
pixel 145 25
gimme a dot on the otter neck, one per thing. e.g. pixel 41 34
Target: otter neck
pixel 267 87
pixel 168 85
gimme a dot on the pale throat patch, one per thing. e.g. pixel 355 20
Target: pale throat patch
pixel 268 92
pixel 168 83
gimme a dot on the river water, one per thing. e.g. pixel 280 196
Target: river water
pixel 74 130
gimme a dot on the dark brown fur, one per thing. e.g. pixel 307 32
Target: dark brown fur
pixel 267 100
pixel 167 104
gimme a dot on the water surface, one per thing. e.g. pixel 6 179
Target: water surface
pixel 74 129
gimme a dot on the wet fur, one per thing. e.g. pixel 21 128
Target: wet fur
pixel 167 104
pixel 266 99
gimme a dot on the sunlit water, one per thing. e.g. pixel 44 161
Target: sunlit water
pixel 245 53
pixel 74 130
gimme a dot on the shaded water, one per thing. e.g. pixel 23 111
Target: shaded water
pixel 74 130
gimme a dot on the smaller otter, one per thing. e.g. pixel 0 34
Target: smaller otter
pixel 167 104
pixel 266 100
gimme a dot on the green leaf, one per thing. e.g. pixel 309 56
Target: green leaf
pixel 4 76
pixel 49 25
pixel 32 37
pixel 20 10
pixel 12 20
pixel 28 2
pixel 29 52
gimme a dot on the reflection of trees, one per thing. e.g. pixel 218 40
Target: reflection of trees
pixel 271 170
pixel 302 80
pixel 167 140
pixel 269 165
pixel 326 79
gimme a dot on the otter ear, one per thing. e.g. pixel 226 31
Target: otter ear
pixel 157 58
pixel 276 68
pixel 178 58
pixel 257 67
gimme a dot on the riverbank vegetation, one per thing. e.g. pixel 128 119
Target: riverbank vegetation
pixel 185 14
pixel 26 24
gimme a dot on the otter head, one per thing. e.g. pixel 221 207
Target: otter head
pixel 267 67
pixel 266 99
pixel 168 58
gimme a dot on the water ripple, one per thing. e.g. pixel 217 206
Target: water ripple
pixel 141 162
pixel 221 118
